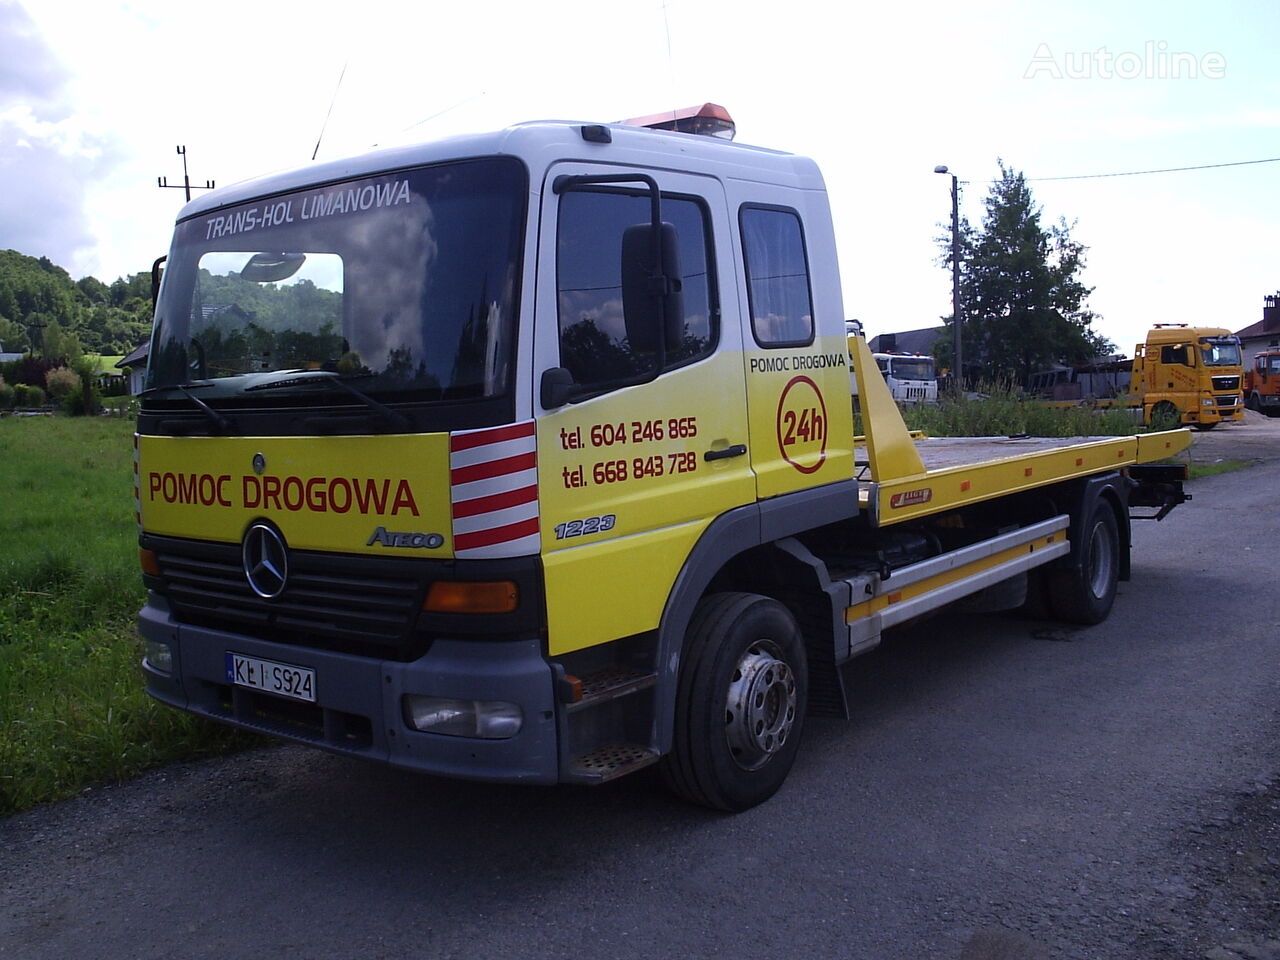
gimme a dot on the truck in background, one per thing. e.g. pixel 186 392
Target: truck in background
pixel 1190 376
pixel 912 377
pixel 529 457
pixel 1262 382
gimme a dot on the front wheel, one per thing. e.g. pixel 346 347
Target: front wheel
pixel 1202 427
pixel 1085 594
pixel 740 704
pixel 1165 416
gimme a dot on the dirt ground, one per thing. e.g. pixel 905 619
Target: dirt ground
pixel 1255 438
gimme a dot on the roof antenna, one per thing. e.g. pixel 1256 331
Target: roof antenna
pixel 332 101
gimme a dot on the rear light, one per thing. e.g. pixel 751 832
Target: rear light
pixel 452 596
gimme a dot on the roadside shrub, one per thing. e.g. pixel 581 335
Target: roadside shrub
pixel 83 400
pixel 25 395
pixel 6 395
pixel 60 381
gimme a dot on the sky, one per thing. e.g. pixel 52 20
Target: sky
pixel 95 98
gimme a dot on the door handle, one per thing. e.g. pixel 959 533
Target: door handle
pixel 737 450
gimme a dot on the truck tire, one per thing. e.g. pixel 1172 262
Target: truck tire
pixel 1085 594
pixel 1202 427
pixel 1166 415
pixel 740 704
pixel 1253 403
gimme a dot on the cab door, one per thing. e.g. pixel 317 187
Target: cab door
pixel 640 445
pixel 796 360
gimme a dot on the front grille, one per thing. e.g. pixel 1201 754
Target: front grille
pixel 361 605
pixel 1226 383
pixel 1229 401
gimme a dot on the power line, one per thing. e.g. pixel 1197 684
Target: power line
pixel 1139 173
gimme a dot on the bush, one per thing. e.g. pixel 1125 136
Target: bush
pixel 6 395
pixel 60 381
pixel 83 399
pixel 25 395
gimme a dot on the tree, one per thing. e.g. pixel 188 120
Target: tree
pixel 1023 301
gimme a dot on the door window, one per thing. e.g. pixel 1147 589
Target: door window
pixel 777 272
pixel 593 340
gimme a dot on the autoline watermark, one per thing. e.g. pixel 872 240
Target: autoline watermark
pixel 1154 62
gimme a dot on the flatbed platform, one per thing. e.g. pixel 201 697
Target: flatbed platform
pixel 958 471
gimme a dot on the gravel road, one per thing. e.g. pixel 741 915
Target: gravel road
pixel 1007 789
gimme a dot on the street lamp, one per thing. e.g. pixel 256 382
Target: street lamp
pixel 955 274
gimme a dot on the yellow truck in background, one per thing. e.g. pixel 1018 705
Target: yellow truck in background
pixel 1191 376
pixel 529 457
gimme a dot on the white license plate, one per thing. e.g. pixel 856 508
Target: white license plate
pixel 281 679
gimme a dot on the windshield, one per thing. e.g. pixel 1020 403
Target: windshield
pixel 406 281
pixel 1224 352
pixel 913 368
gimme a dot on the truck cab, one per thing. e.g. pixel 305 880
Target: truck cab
pixel 1188 375
pixel 1262 383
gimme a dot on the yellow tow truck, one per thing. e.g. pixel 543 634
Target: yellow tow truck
pixel 530 457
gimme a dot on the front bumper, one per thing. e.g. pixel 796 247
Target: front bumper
pixel 357 710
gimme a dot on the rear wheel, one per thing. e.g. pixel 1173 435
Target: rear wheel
pixel 1084 594
pixel 740 704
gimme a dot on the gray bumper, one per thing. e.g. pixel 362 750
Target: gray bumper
pixel 358 701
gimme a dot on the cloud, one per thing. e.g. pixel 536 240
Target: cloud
pixel 29 73
pixel 48 154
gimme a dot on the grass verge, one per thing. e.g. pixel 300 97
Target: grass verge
pixel 1198 470
pixel 72 708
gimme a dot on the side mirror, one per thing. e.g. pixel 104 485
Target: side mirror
pixel 557 387
pixel 157 272
pixel 652 298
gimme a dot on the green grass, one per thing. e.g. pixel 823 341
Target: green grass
pixel 72 708
pixel 1002 413
pixel 1198 470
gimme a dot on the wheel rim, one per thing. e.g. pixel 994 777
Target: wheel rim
pixel 761 706
pixel 1101 561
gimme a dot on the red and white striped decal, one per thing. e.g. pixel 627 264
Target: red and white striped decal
pixel 493 488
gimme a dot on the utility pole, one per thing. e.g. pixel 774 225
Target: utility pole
pixel 956 320
pixel 35 332
pixel 163 182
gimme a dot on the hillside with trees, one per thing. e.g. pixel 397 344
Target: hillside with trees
pixel 43 310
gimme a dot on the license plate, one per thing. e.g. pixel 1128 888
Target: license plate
pixel 281 679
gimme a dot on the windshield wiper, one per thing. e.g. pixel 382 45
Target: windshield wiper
pixel 184 387
pixel 224 423
pixel 394 417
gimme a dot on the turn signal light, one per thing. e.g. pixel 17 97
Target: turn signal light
pixel 451 596
pixel 147 560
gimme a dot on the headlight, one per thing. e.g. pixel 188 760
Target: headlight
pixel 1208 403
pixel 482 719
pixel 158 656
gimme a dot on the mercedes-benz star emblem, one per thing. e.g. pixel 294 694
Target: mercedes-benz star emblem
pixel 266 562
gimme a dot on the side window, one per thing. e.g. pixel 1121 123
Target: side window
pixel 1176 354
pixel 777 272
pixel 593 336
